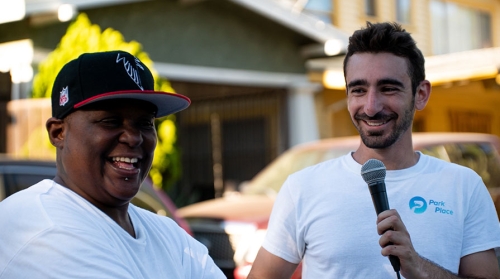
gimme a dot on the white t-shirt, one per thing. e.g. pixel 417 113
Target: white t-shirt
pixel 48 231
pixel 324 216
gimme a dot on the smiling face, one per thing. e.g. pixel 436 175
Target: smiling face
pixel 105 150
pixel 380 99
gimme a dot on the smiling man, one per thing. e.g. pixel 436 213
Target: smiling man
pixel 81 224
pixel 443 223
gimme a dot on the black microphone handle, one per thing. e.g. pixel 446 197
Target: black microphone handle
pixel 381 203
pixel 379 197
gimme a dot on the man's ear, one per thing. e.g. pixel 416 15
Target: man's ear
pixel 422 95
pixel 56 129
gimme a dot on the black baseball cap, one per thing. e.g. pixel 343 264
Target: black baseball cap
pixel 99 76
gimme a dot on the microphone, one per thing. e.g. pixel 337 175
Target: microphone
pixel 373 173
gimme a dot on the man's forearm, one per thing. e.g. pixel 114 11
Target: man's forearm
pixel 430 270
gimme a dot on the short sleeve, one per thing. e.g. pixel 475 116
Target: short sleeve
pixel 282 235
pixel 481 226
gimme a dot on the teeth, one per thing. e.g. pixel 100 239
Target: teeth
pixel 125 159
pixel 375 123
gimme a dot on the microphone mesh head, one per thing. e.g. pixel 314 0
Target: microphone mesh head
pixel 373 171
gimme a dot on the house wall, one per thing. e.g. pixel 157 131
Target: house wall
pixel 475 104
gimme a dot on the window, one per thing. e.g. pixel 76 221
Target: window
pixel 458 28
pixel 403 11
pixel 322 9
pixel 470 121
pixel 370 7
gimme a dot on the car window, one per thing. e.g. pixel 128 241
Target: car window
pixel 148 202
pixel 14 182
pixel 335 153
pixel 14 178
pixel 481 157
pixel 270 180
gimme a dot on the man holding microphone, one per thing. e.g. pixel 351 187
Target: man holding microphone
pixel 324 215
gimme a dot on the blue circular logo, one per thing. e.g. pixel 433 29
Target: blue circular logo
pixel 418 205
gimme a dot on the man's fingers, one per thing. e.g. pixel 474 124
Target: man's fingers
pixel 391 222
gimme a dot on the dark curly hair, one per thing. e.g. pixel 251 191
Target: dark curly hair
pixel 391 38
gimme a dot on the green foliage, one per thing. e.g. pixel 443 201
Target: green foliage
pixel 166 168
pixel 83 36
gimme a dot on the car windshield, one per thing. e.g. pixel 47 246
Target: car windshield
pixel 481 157
pixel 269 181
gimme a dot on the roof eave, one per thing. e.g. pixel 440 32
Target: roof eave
pixel 321 32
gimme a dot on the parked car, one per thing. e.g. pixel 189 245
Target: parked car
pixel 233 227
pixel 19 174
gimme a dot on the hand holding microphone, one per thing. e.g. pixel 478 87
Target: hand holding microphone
pixel 373 173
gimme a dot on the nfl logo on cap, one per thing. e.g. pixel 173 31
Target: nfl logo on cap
pixel 63 97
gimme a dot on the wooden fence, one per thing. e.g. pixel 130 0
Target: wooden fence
pixel 26 133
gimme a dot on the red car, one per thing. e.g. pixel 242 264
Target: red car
pixel 233 227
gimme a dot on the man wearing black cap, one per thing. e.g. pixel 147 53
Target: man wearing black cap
pixel 81 224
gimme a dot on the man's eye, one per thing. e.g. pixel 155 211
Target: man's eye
pixel 147 124
pixel 389 89
pixel 110 121
pixel 357 90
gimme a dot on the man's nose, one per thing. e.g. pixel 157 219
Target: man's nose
pixel 131 135
pixel 373 102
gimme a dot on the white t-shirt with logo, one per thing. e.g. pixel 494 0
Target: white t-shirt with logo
pixel 48 231
pixel 324 215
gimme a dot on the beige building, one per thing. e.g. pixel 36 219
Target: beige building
pixel 461 42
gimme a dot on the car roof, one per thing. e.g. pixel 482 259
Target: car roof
pixel 419 140
pixel 6 159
